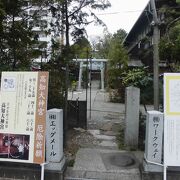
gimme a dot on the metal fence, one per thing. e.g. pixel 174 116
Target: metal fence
pixel 77 114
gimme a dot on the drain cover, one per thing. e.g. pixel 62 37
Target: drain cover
pixel 121 160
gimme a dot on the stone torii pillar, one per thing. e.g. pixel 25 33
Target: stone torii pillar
pixel 80 75
pixel 102 76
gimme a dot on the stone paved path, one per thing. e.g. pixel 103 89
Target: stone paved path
pixel 104 118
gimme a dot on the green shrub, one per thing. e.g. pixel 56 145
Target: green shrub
pixel 139 77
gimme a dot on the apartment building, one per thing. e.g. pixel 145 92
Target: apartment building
pixel 43 32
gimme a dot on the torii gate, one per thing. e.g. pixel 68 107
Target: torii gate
pixel 93 64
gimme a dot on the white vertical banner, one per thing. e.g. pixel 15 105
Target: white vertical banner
pixel 172 119
pixel 23 107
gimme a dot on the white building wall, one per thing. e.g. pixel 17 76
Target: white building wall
pixel 46 18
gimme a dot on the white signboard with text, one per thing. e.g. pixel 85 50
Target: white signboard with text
pixel 172 119
pixel 23 107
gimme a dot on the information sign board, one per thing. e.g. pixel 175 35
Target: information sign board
pixel 172 119
pixel 23 105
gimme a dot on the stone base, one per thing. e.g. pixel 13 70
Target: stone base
pixel 78 90
pixel 172 173
pixel 59 166
pixel 148 167
pixel 102 90
pixel 24 171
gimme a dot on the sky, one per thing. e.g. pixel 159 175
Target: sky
pixel 121 15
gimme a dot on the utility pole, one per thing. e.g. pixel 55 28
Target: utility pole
pixel 156 38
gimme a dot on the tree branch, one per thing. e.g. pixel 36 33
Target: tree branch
pixel 78 9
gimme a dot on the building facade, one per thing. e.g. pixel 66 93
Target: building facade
pixel 139 40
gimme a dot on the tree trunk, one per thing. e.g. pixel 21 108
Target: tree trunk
pixel 14 45
pixel 67 69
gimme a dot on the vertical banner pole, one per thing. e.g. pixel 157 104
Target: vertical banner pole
pixel 165 173
pixel 42 171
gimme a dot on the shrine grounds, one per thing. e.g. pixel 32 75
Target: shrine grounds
pixel 98 153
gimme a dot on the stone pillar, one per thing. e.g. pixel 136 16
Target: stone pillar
pixel 102 76
pixel 54 140
pixel 132 102
pixel 80 75
pixel 153 141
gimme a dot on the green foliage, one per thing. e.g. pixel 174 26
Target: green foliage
pixel 120 35
pixel 56 85
pixel 110 47
pixel 170 10
pixel 117 60
pixel 103 46
pixel 81 48
pixel 16 38
pixel 114 78
pixel 169 45
pixel 2 12
pixel 139 77
pixel 117 54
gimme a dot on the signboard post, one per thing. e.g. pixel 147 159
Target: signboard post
pixel 23 107
pixel 171 120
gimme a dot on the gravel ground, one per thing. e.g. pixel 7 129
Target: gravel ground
pixel 78 138
pixel 81 138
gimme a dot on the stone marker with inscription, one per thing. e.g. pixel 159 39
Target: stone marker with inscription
pixel 153 142
pixel 54 140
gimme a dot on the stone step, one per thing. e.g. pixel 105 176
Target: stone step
pixel 94 175
pixel 104 164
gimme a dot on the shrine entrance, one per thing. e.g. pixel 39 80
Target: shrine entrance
pixel 95 69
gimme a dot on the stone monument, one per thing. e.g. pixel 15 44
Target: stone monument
pixel 132 102
pixel 54 140
pixel 153 142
